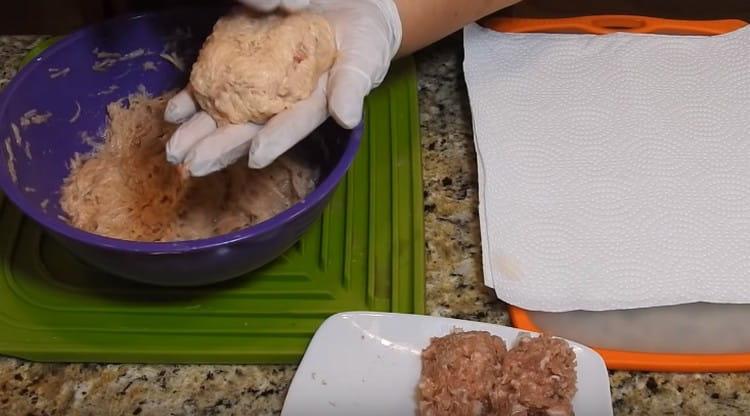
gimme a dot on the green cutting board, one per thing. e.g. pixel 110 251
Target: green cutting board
pixel 366 252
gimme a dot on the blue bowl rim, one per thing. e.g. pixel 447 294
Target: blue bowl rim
pixel 317 196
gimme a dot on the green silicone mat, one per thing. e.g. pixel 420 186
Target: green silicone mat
pixel 366 252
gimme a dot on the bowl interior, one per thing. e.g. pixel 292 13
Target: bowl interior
pixel 69 86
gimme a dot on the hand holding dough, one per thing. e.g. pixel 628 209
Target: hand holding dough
pixel 366 36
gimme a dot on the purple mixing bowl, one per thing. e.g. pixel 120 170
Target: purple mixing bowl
pixel 62 79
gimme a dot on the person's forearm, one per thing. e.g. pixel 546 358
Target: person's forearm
pixel 427 21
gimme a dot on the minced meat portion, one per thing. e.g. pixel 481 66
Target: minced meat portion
pixel 253 67
pixel 459 371
pixel 127 189
pixel 471 373
pixel 539 374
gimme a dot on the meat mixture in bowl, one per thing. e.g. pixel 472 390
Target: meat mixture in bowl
pixel 125 188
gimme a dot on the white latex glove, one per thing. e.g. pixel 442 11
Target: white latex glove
pixel 368 35
pixel 270 5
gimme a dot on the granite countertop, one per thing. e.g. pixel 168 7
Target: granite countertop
pixel 454 289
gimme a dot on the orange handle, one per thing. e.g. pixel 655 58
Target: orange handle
pixel 604 24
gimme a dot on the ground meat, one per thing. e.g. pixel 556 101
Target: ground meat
pixel 127 189
pixel 470 373
pixel 459 371
pixel 253 67
pixel 539 376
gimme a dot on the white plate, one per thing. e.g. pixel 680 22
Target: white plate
pixel 364 363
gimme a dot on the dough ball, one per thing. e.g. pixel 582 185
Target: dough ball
pixel 253 67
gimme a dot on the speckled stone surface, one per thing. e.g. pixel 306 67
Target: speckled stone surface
pixel 12 50
pixel 455 285
pixel 454 289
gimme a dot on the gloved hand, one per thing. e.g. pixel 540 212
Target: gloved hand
pixel 270 5
pixel 368 36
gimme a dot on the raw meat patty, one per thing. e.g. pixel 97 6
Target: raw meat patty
pixel 539 376
pixel 252 68
pixel 459 372
pixel 471 373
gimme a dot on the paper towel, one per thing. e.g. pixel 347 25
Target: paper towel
pixel 614 171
